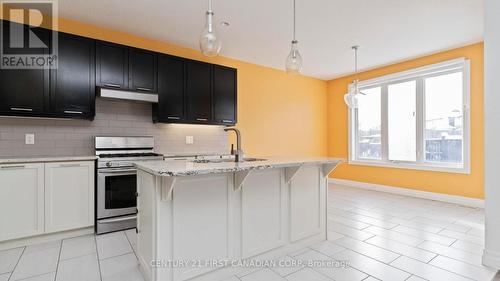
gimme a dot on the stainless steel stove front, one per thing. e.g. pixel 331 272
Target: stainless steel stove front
pixel 116 199
pixel 117 180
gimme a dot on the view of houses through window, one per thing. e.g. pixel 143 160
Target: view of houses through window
pixel 444 118
pixel 370 124
pixel 416 119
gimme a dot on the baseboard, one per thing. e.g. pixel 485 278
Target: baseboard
pixel 454 199
pixel 45 238
pixel 491 259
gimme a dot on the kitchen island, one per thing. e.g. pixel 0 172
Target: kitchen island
pixel 203 221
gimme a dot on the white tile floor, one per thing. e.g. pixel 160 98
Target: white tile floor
pixel 382 236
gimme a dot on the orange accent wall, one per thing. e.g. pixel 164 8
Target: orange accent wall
pixel 469 185
pixel 278 114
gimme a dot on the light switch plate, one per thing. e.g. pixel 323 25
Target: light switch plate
pixel 29 138
pixel 189 140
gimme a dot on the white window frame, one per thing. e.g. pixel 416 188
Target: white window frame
pixel 460 64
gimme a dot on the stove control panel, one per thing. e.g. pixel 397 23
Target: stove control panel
pixel 114 164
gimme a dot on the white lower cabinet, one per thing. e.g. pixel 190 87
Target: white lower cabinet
pixel 263 212
pixel 21 202
pixel 41 198
pixel 307 202
pixel 69 195
pixel 200 222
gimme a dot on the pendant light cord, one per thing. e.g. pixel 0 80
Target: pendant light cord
pixel 210 14
pixel 294 20
pixel 355 48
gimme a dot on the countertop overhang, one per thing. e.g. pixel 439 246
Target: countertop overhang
pixel 180 168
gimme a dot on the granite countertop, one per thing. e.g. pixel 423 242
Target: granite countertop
pixel 38 159
pixel 173 168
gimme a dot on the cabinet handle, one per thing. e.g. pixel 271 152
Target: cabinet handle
pixel 21 109
pixel 73 112
pixel 201 119
pixel 173 118
pixel 69 165
pixel 13 167
pixel 128 171
pixel 112 85
pixel 112 220
pixel 144 89
pixel 227 121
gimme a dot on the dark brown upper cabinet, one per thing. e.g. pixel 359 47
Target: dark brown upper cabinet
pixel 72 84
pixel 125 68
pixel 199 92
pixel 111 65
pixel 171 107
pixel 24 92
pixel 142 71
pixel 224 95
pixel 67 91
pixel 195 92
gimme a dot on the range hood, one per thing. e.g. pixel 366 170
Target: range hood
pixel 128 95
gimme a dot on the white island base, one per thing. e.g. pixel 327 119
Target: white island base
pixel 207 219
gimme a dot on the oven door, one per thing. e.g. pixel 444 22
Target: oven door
pixel 116 192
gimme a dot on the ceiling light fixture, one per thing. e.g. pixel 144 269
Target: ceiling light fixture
pixel 351 98
pixel 294 59
pixel 210 43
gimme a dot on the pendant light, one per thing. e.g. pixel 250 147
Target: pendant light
pixel 351 98
pixel 294 59
pixel 210 43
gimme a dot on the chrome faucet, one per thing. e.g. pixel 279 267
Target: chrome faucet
pixel 238 154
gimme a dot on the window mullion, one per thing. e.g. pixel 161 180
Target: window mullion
pixel 420 118
pixel 353 114
pixel 385 124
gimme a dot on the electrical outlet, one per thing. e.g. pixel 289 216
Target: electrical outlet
pixel 29 138
pixel 189 140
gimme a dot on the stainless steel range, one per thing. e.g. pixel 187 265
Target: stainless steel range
pixel 117 180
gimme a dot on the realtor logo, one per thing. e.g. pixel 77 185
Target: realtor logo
pixel 27 37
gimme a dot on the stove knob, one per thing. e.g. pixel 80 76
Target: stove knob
pixel 108 164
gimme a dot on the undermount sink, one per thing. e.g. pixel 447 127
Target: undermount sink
pixel 223 160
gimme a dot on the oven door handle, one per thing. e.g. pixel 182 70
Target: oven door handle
pixel 117 219
pixel 117 171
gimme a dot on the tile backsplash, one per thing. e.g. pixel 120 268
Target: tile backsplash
pixel 113 118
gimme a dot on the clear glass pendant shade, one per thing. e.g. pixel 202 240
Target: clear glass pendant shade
pixel 210 43
pixel 351 101
pixel 351 98
pixel 294 60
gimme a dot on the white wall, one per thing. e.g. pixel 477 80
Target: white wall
pixel 491 255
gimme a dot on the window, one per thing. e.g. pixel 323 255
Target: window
pixel 416 119
pixel 402 125
pixel 370 124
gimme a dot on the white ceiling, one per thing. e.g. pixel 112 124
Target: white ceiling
pixel 260 32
